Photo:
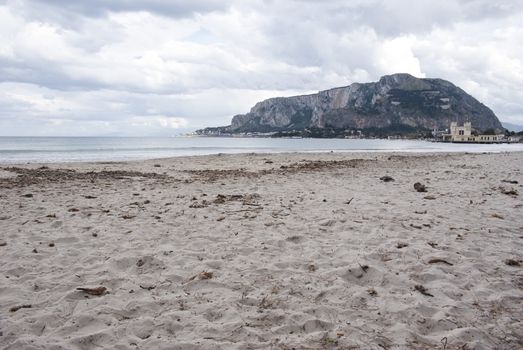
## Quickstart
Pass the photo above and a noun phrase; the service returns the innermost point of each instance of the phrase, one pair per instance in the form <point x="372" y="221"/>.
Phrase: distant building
<point x="463" y="134"/>
<point x="515" y="139"/>
<point x="439" y="133"/>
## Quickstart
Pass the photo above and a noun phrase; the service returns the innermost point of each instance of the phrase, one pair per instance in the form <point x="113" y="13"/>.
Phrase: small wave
<point x="17" y="150"/>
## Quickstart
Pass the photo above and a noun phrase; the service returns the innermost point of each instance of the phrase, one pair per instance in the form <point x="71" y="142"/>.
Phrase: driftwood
<point x="438" y="260"/>
<point x="93" y="291"/>
<point x="422" y="290"/>
<point x="16" y="308"/>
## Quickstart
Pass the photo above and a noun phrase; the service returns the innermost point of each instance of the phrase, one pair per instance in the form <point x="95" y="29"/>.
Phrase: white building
<point x="464" y="134"/>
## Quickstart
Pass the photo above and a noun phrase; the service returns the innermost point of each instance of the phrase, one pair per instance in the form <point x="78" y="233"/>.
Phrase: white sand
<point x="293" y="264"/>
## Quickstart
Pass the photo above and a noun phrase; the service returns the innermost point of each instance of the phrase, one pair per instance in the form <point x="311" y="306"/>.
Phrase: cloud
<point x="45" y="111"/>
<point x="88" y="67"/>
<point x="99" y="8"/>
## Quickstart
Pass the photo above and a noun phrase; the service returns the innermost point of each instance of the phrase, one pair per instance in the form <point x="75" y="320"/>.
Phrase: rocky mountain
<point x="395" y="102"/>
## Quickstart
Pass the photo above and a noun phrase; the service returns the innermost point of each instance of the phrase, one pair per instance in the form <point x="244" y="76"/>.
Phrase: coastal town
<point x="456" y="133"/>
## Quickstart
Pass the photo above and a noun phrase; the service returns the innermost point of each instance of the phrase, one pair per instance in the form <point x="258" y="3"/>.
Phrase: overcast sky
<point x="122" y="67"/>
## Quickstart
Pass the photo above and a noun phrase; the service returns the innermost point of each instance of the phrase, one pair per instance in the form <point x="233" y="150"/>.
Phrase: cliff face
<point x="395" y="100"/>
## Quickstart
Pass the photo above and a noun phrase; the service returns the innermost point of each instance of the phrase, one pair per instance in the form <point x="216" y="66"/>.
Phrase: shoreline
<point x="236" y="251"/>
<point x="268" y="153"/>
<point x="77" y="150"/>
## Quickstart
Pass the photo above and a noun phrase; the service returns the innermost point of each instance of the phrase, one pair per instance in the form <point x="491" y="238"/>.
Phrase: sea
<point x="15" y="150"/>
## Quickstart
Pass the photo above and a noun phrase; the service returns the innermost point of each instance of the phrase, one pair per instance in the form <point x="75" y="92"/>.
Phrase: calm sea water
<point x="69" y="149"/>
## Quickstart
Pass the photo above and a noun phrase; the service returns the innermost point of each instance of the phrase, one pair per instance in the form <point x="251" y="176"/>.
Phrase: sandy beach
<point x="264" y="251"/>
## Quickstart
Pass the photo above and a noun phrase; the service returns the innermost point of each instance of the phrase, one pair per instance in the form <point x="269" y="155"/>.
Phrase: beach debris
<point x="246" y="199"/>
<point x="420" y="288"/>
<point x="127" y="216"/>
<point x="444" y="341"/>
<point x="419" y="187"/>
<point x="364" y="268"/>
<point x="349" y="201"/>
<point x="497" y="216"/>
<point x="509" y="192"/>
<point x="94" y="234"/>
<point x="429" y="197"/>
<point x="198" y="205"/>
<point x="18" y="307"/>
<point x="312" y="268"/>
<point x="387" y="178"/>
<point x="97" y="291"/>
<point x="269" y="162"/>
<point x="51" y="216"/>
<point x="416" y="226"/>
<point x="148" y="287"/>
<point x="372" y="292"/>
<point x="327" y="341"/>
<point x="27" y="177"/>
<point x="420" y="212"/>
<point x="439" y="260"/>
<point x="356" y="273"/>
<point x="320" y="295"/>
<point x="28" y="195"/>
<point x="35" y="251"/>
<point x="294" y="239"/>
<point x="51" y="244"/>
<point x="3" y="243"/>
<point x="90" y="197"/>
<point x="401" y="245"/>
<point x="204" y="275"/>
<point x="385" y="257"/>
<point x="513" y="182"/>
<point x="432" y="244"/>
<point x="157" y="165"/>
<point x="512" y="262"/>
<point x="140" y="263"/>
<point x="327" y="222"/>
<point x="73" y="210"/>
<point x="266" y="303"/>
<point x="221" y="218"/>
